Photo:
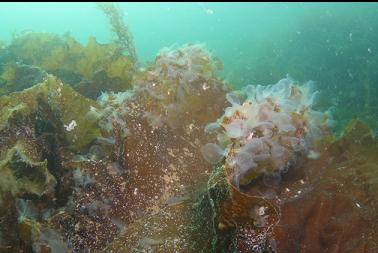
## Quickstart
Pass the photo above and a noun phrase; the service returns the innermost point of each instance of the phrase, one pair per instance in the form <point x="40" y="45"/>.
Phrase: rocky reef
<point x="35" y="139"/>
<point x="99" y="155"/>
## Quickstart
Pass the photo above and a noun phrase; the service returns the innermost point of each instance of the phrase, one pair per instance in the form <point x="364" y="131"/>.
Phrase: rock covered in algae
<point x="90" y="68"/>
<point x="36" y="136"/>
<point x="153" y="191"/>
<point x="58" y="103"/>
<point x="331" y="204"/>
<point x="326" y="204"/>
<point x="18" y="76"/>
<point x="222" y="216"/>
<point x="22" y="172"/>
<point x="304" y="207"/>
<point x="140" y="200"/>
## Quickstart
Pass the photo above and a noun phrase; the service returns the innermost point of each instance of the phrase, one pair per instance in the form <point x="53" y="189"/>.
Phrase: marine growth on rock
<point x="266" y="128"/>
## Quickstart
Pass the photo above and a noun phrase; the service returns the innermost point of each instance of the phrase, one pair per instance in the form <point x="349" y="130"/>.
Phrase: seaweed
<point x="89" y="69"/>
<point x="119" y="27"/>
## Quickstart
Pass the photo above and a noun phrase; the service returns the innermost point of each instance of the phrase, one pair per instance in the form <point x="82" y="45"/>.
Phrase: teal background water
<point x="227" y="28"/>
<point x="334" y="44"/>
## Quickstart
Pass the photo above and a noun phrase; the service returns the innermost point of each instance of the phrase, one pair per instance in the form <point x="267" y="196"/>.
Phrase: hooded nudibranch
<point x="265" y="129"/>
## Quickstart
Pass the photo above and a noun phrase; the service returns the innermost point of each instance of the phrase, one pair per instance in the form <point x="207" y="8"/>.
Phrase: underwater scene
<point x="189" y="127"/>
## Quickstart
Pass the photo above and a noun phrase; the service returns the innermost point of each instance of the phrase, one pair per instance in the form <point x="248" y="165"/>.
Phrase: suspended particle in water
<point x="312" y="154"/>
<point x="209" y="12"/>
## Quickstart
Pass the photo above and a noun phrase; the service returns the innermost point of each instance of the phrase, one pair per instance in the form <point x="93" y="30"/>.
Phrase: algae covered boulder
<point x="51" y="102"/>
<point x="90" y="68"/>
<point x="37" y="135"/>
<point x="224" y="219"/>
<point x="322" y="204"/>
<point x="140" y="199"/>
<point x="17" y="76"/>
<point x="22" y="172"/>
<point x="334" y="208"/>
<point x="277" y="177"/>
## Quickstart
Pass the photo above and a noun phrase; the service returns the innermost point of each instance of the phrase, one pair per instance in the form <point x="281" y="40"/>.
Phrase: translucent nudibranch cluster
<point x="187" y="63"/>
<point x="265" y="128"/>
<point x="166" y="91"/>
<point x="112" y="113"/>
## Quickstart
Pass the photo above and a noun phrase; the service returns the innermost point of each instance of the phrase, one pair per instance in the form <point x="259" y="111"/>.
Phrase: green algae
<point x="65" y="103"/>
<point x="90" y="68"/>
<point x="21" y="173"/>
<point x="207" y="231"/>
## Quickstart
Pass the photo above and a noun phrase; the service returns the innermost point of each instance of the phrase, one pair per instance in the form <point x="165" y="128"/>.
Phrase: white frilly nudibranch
<point x="71" y="126"/>
<point x="265" y="128"/>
